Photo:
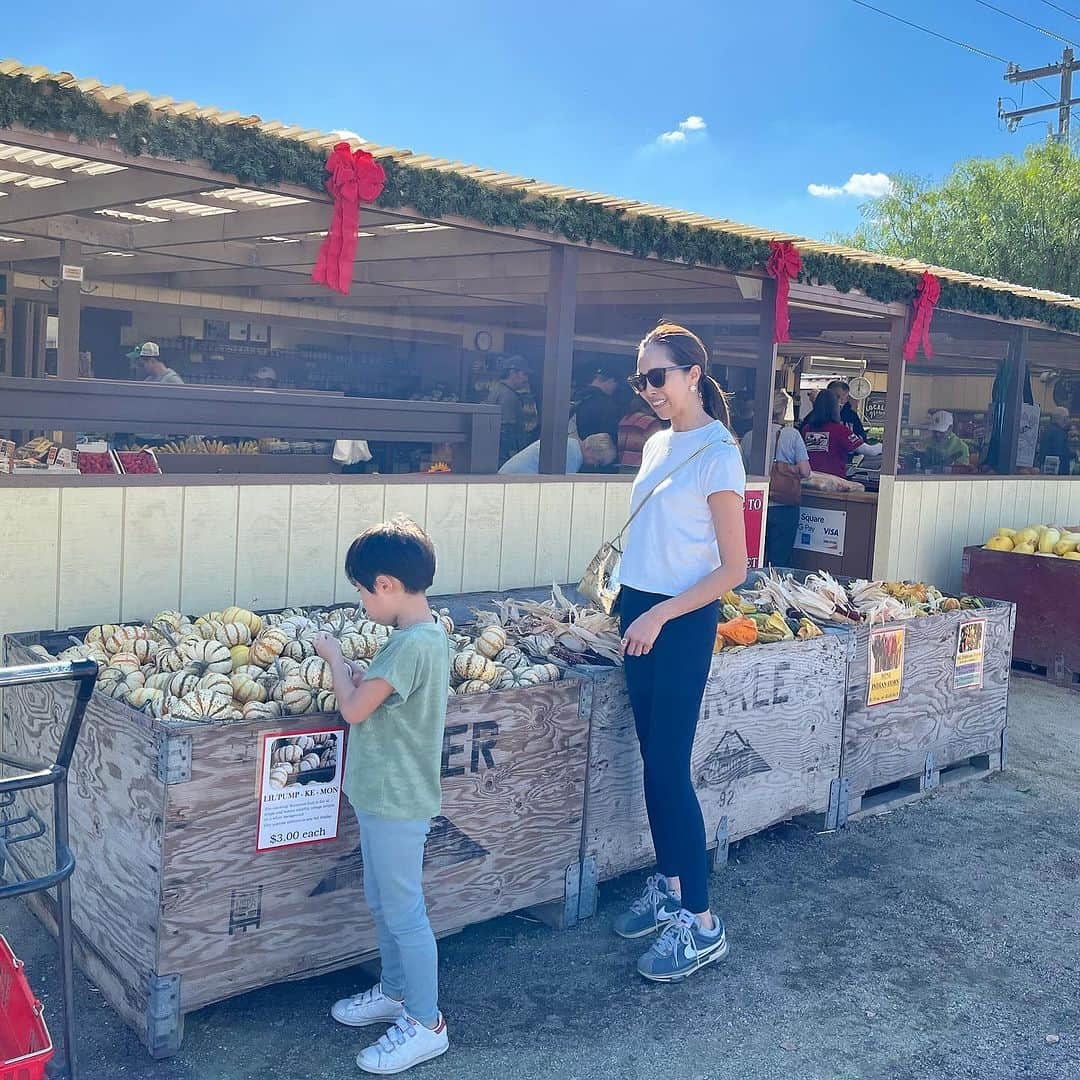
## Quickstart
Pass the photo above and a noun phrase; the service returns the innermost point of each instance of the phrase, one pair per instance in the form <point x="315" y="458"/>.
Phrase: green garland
<point x="258" y="159"/>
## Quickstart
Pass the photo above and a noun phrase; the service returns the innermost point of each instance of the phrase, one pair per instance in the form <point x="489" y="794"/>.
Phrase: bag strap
<point x="641" y="505"/>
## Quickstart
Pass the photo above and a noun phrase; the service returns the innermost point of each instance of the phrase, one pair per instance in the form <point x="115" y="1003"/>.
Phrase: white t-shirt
<point x="671" y="545"/>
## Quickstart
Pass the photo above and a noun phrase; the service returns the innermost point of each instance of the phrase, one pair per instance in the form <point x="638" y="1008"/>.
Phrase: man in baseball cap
<point x="945" y="446"/>
<point x="149" y="357"/>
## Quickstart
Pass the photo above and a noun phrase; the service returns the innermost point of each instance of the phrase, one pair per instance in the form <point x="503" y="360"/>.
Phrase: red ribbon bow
<point x="923" y="309"/>
<point x="784" y="264"/>
<point x="355" y="177"/>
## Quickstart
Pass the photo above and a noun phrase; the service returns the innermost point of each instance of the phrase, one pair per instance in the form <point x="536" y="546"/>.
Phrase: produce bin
<point x="936" y="730"/>
<point x="1045" y="593"/>
<point x="767" y="749"/>
<point x="174" y="907"/>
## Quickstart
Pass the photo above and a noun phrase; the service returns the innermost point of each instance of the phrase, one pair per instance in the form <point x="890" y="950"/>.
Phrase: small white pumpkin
<point x="159" y="680"/>
<point x="512" y="658"/>
<point x="475" y="686"/>
<point x="122" y="683"/>
<point x="309" y="762"/>
<point x="337" y="622"/>
<point x="290" y="754"/>
<point x="280" y="776"/>
<point x="246" y="618"/>
<point x="232" y="633"/>
<point x="172" y="619"/>
<point x="261" y="710"/>
<point x="295" y="694"/>
<point x="207" y="629"/>
<point x="267" y="647"/>
<point x="209" y="655"/>
<point x="182" y="682"/>
<point x="528" y="677"/>
<point x="125" y="661"/>
<point x="491" y="641"/>
<point x="504" y="680"/>
<point x="96" y="635"/>
<point x="204" y="705"/>
<point x="317" y="674"/>
<point x="471" y="665"/>
<point x="245" y="688"/>
<point x="443" y="619"/>
<point x="216" y="683"/>
<point x="144" y="697"/>
<point x="326" y="701"/>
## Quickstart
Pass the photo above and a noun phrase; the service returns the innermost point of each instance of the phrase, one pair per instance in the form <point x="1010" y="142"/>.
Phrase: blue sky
<point x="787" y="93"/>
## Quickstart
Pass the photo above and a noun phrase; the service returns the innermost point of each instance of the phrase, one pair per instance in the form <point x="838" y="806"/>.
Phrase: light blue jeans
<point x="393" y="853"/>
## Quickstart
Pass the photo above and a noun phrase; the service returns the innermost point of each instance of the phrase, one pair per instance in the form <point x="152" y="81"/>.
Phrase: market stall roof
<point x="263" y="235"/>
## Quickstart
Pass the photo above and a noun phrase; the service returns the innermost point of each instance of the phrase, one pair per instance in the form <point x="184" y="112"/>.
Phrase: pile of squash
<point x="233" y="664"/>
<point x="1049" y="540"/>
<point x="742" y="625"/>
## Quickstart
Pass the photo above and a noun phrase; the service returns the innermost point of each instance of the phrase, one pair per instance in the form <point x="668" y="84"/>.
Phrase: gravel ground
<point x="936" y="942"/>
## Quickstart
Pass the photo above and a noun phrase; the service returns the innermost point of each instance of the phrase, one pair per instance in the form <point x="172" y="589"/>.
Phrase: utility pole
<point x="1065" y="101"/>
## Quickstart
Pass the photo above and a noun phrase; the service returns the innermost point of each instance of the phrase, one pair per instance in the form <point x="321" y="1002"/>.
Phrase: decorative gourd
<point x="338" y="623"/>
<point x="96" y="635"/>
<point x="317" y="674"/>
<point x="443" y="619"/>
<point x="491" y="642"/>
<point x="245" y="618"/>
<point x="357" y="646"/>
<point x="241" y="656"/>
<point x="309" y="762"/>
<point x="171" y="658"/>
<point x="261" y="710"/>
<point x="328" y="758"/>
<point x="172" y="619"/>
<point x="295" y="694"/>
<point x="529" y="676"/>
<point x="279" y="777"/>
<point x="300" y="634"/>
<point x="84" y="652"/>
<point x="182" y="682"/>
<point x="118" y="683"/>
<point x="325" y="701"/>
<point x="204" y="705"/>
<point x="144" y="697"/>
<point x="273" y="619"/>
<point x="293" y="613"/>
<point x="267" y="647"/>
<point x="125" y="661"/>
<point x="245" y="688"/>
<point x="538" y="644"/>
<point x="512" y="658"/>
<point x="232" y="633"/>
<point x="376" y="630"/>
<point x="549" y="672"/>
<point x="475" y="686"/>
<point x="216" y="683"/>
<point x="504" y="680"/>
<point x="471" y="665"/>
<point x="207" y="628"/>
<point x="162" y="706"/>
<point x="738" y="631"/>
<point x="209" y="655"/>
<point x="305" y="742"/>
<point x="159" y="681"/>
<point x="289" y="754"/>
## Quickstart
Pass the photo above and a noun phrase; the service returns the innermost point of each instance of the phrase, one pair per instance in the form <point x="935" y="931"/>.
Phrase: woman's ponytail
<point x="687" y="349"/>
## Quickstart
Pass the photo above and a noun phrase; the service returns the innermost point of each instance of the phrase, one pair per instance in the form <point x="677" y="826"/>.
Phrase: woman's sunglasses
<point x="654" y="377"/>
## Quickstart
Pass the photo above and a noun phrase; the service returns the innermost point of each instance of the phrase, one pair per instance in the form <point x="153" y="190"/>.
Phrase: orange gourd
<point x="738" y="631"/>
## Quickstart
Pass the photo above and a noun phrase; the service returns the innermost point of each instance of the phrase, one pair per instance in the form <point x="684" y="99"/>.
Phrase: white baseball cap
<point x="942" y="420"/>
<point x="150" y="349"/>
<point x="266" y="373"/>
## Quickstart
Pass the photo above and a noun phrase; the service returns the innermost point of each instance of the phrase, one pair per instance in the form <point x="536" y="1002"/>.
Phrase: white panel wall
<point x="924" y="526"/>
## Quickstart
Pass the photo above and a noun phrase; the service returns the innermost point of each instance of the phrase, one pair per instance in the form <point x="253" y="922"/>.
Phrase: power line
<point x="1058" y="7"/>
<point x="1024" y="22"/>
<point x="933" y="33"/>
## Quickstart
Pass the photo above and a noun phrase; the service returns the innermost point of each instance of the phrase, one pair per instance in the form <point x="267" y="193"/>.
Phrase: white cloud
<point x="693" y="127"/>
<point x="861" y="185"/>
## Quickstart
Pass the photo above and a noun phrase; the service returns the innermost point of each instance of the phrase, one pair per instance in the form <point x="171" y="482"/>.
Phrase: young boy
<point x="392" y="778"/>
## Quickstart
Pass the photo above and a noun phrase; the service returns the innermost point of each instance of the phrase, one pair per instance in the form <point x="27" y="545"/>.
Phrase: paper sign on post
<point x="299" y="787"/>
<point x="821" y="530"/>
<point x="970" y="655"/>
<point x="886" y="653"/>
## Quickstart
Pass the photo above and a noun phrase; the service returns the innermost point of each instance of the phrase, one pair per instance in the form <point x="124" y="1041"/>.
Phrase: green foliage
<point x="258" y="159"/>
<point x="1016" y="219"/>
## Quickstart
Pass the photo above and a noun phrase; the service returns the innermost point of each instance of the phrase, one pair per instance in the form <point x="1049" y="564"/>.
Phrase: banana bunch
<point x="196" y="444"/>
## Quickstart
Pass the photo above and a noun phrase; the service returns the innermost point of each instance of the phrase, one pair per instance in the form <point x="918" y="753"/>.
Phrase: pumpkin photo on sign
<point x="299" y="787"/>
<point x="886" y="656"/>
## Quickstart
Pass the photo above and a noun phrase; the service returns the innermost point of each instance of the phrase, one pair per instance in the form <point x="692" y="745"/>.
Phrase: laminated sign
<point x="300" y="787"/>
<point x="886" y="656"/>
<point x="970" y="655"/>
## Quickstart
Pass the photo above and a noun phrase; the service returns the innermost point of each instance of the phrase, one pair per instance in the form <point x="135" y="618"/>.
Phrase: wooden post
<point x="558" y="359"/>
<point x="69" y="299"/>
<point x="1010" y="430"/>
<point x="764" y="377"/>
<point x="894" y="394"/>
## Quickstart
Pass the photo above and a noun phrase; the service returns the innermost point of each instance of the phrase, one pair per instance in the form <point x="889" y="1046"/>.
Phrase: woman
<point x="787" y="450"/>
<point x="683" y="550"/>
<point x="828" y="443"/>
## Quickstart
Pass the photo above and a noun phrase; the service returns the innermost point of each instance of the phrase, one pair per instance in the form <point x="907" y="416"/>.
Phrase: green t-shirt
<point x="394" y="759"/>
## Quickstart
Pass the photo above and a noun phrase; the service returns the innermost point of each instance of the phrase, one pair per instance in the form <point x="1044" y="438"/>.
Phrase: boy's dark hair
<point x="399" y="549"/>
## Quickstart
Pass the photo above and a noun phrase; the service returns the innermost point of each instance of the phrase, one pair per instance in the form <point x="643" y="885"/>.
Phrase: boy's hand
<point x="356" y="672"/>
<point x="327" y="646"/>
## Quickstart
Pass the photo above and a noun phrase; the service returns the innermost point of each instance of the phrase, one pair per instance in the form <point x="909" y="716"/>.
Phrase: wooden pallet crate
<point x="767" y="749"/>
<point x="900" y="750"/>
<point x="173" y="906"/>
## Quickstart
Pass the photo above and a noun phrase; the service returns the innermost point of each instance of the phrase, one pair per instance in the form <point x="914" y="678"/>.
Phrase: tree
<point x="1017" y="219"/>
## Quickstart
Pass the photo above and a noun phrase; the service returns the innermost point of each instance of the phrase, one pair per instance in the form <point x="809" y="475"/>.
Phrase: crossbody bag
<point x="600" y="583"/>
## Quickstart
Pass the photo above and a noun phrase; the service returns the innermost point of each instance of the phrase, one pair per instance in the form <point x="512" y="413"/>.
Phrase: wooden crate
<point x="886" y="746"/>
<point x="174" y="908"/>
<point x="767" y="749"/>
<point x="1047" y="614"/>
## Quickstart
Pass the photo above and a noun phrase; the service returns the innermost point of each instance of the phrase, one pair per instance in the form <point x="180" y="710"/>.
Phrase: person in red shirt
<point x="829" y="443"/>
<point x="634" y="431"/>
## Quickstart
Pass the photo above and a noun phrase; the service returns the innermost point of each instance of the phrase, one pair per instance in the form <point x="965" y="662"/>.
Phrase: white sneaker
<point x="406" y="1044"/>
<point x="370" y="1007"/>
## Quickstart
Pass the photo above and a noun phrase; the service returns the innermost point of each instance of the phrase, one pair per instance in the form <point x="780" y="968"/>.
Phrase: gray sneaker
<point x="682" y="948"/>
<point x="655" y="907"/>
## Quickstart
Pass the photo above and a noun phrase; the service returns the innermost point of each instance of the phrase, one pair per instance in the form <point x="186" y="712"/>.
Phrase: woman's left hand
<point x="642" y="633"/>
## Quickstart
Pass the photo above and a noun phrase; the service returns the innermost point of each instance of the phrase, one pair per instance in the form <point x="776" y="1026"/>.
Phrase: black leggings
<point x="666" y="687"/>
